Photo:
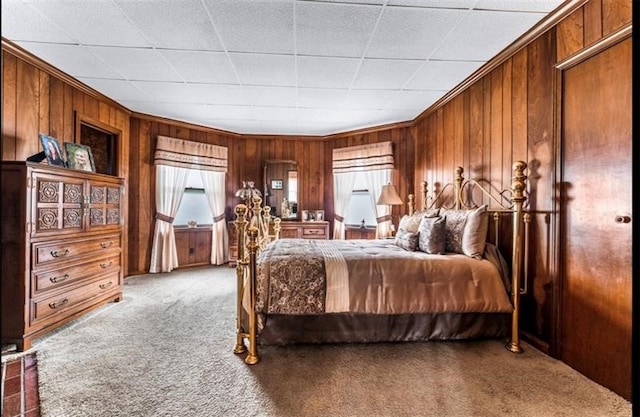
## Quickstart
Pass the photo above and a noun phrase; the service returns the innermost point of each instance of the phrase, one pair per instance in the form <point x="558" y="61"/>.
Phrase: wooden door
<point x="595" y="225"/>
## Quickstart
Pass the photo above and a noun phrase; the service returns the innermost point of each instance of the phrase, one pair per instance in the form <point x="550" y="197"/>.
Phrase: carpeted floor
<point x="166" y="350"/>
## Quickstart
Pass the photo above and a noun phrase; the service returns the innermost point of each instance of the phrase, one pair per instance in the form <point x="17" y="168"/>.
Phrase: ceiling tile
<point x="270" y="96"/>
<point x="482" y="34"/>
<point x="98" y="22"/>
<point x="321" y="98"/>
<point x="219" y="94"/>
<point x="137" y="64"/>
<point x="414" y="99"/>
<point x="425" y="27"/>
<point x="275" y="113"/>
<point x="385" y="74"/>
<point x="174" y="24"/>
<point x="442" y="75"/>
<point x="77" y="61"/>
<point x="258" y="26"/>
<point x="21" y="22"/>
<point x="334" y="29"/>
<point x="201" y="67"/>
<point x="118" y="89"/>
<point x="326" y="72"/>
<point x="261" y="69"/>
<point x="167" y="92"/>
<point x="368" y="99"/>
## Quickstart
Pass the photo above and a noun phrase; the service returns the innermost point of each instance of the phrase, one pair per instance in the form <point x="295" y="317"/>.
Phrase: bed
<point x="440" y="278"/>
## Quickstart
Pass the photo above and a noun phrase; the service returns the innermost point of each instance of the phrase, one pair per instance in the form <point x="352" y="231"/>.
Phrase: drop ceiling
<point x="287" y="67"/>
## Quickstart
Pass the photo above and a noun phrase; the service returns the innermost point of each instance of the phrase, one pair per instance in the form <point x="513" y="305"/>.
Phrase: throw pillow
<point x="431" y="235"/>
<point x="466" y="231"/>
<point x="406" y="240"/>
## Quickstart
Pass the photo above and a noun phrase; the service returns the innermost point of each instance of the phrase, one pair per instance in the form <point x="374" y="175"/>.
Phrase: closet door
<point x="595" y="226"/>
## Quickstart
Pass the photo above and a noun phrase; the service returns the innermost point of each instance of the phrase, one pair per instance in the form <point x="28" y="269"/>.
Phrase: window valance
<point x="191" y="155"/>
<point x="370" y="157"/>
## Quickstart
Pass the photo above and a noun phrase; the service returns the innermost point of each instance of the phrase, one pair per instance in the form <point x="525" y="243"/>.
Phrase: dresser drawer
<point x="45" y="280"/>
<point x="289" y="233"/>
<point x="59" y="304"/>
<point x="57" y="251"/>
<point x="310" y="232"/>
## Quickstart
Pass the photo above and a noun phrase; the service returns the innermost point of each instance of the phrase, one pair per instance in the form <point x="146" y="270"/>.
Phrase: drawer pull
<point x="56" y="280"/>
<point x="59" y="303"/>
<point x="57" y="254"/>
<point x="313" y="232"/>
<point x="106" y="265"/>
<point x="106" y="244"/>
<point x="106" y="285"/>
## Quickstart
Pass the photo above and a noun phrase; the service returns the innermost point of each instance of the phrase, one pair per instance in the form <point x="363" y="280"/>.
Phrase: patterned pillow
<point x="431" y="235"/>
<point x="466" y="231"/>
<point x="411" y="223"/>
<point x="407" y="240"/>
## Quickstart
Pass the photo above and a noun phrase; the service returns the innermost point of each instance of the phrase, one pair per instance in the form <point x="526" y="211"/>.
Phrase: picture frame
<point x="52" y="150"/>
<point x="305" y="215"/>
<point x="319" y="215"/>
<point x="276" y="184"/>
<point x="79" y="157"/>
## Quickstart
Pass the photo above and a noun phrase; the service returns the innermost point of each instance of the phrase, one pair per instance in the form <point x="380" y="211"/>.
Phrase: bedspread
<point x="300" y="276"/>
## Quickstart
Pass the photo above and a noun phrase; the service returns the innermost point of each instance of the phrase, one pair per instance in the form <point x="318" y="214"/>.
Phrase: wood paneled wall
<point x="505" y="115"/>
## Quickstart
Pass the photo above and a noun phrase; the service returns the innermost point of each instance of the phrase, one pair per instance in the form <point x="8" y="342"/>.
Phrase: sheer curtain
<point x="170" y="184"/>
<point x="343" y="186"/>
<point x="376" y="162"/>
<point x="375" y="181"/>
<point x="214" y="188"/>
<point x="174" y="159"/>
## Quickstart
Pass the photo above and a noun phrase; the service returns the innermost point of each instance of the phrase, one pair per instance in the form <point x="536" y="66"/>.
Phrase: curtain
<point x="343" y="186"/>
<point x="174" y="158"/>
<point x="170" y="184"/>
<point x="376" y="161"/>
<point x="214" y="188"/>
<point x="375" y="181"/>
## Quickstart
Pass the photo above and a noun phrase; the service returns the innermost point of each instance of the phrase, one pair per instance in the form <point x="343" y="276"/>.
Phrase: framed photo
<point x="79" y="157"/>
<point x="319" y="215"/>
<point x="52" y="150"/>
<point x="276" y="184"/>
<point x="305" y="215"/>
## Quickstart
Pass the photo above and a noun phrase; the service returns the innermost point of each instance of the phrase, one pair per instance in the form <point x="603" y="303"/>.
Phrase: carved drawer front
<point x="289" y="233"/>
<point x="51" y="279"/>
<point x="313" y="232"/>
<point x="59" y="304"/>
<point x="49" y="252"/>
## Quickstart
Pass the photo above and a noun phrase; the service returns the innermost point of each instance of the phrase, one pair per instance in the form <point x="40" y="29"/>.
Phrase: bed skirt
<point x="282" y="329"/>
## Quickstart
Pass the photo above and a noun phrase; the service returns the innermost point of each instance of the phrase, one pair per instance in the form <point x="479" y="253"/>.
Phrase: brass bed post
<point x="518" y="198"/>
<point x="425" y="195"/>
<point x="252" y="357"/>
<point x="458" y="180"/>
<point x="241" y="223"/>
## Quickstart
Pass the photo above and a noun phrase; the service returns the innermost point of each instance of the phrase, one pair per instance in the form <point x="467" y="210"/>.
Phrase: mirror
<point x="280" y="190"/>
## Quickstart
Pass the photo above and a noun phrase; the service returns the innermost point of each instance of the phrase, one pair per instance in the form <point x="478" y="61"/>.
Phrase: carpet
<point x="166" y="350"/>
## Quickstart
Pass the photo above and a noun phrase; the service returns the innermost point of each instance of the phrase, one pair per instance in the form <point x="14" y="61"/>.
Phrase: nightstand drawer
<point x="308" y="231"/>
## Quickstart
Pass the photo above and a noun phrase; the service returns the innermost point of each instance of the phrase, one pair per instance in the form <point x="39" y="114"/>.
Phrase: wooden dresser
<point x="288" y="230"/>
<point x="62" y="240"/>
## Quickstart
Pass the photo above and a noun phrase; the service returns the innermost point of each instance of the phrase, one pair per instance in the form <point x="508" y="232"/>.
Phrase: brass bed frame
<point x="256" y="228"/>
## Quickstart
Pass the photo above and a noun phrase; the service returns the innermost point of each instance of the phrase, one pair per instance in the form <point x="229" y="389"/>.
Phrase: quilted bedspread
<point x="303" y="276"/>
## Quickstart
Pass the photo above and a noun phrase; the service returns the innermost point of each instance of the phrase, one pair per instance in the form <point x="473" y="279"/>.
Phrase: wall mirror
<point x="280" y="190"/>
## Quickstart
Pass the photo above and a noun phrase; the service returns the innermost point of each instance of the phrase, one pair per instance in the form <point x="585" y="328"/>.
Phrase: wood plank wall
<point x="37" y="98"/>
<point x="504" y="116"/>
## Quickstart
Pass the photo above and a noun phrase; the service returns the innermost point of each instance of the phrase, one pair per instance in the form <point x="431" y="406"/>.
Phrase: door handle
<point x="623" y="219"/>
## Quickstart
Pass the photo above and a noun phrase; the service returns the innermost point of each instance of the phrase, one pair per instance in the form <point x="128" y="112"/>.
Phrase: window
<point x="194" y="205"/>
<point x="360" y="207"/>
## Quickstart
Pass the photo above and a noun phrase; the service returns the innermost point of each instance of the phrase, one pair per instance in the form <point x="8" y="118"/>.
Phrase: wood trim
<point x="185" y="125"/>
<point x="540" y="28"/>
